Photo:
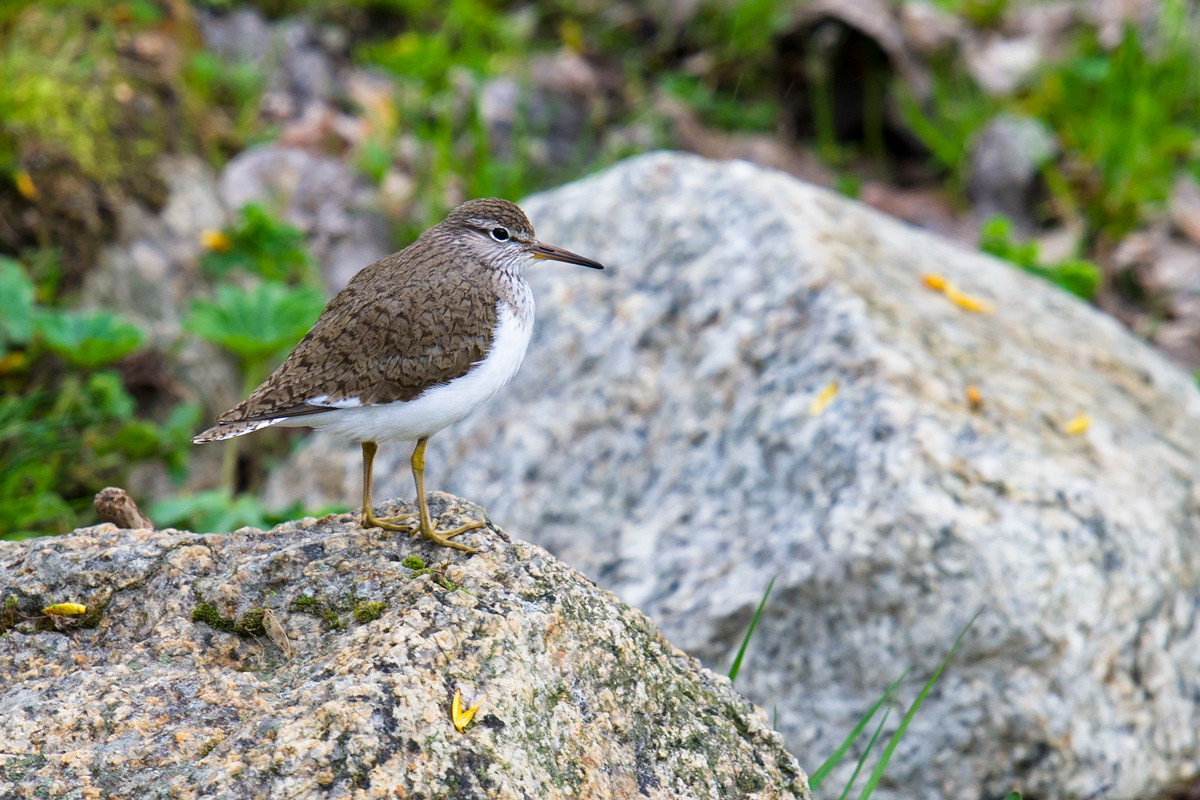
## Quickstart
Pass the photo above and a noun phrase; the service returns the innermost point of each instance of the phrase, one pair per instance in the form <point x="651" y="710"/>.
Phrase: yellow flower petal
<point x="216" y="241"/>
<point x="967" y="302"/>
<point x="822" y="400"/>
<point x="460" y="718"/>
<point x="933" y="281"/>
<point x="25" y="186"/>
<point x="1080" y="423"/>
<point x="68" y="609"/>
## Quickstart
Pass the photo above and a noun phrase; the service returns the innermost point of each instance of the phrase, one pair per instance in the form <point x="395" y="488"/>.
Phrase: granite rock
<point x="319" y="660"/>
<point x="323" y="197"/>
<point x="660" y="438"/>
<point x="151" y="274"/>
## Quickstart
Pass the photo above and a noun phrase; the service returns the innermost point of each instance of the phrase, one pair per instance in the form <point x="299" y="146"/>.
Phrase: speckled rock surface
<point x="579" y="696"/>
<point x="659" y="439"/>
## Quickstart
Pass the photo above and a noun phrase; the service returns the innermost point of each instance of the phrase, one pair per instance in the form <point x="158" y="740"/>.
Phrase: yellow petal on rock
<point x="822" y="400"/>
<point x="215" y="240"/>
<point x="933" y="281"/>
<point x="1080" y="423"/>
<point x="25" y="186"/>
<point x="974" y="398"/>
<point x="460" y="718"/>
<point x="967" y="302"/>
<point x="67" y="609"/>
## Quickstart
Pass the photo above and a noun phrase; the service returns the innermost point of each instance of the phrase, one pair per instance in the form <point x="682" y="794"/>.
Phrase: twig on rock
<point x="115" y="506"/>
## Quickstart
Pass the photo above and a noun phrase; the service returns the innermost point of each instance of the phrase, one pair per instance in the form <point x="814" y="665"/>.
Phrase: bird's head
<point x="501" y="236"/>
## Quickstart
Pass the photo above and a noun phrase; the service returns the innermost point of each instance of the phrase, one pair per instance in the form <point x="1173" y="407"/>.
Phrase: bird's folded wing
<point x="377" y="344"/>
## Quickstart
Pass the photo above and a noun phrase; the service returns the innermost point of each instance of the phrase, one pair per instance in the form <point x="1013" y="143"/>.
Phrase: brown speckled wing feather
<point x="416" y="319"/>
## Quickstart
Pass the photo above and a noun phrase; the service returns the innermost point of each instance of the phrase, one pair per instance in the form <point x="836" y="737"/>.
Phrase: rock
<point x="1167" y="270"/>
<point x="1001" y="65"/>
<point x="177" y="680"/>
<point x="692" y="135"/>
<point x="151" y="273"/>
<point x="241" y="36"/>
<point x="1006" y="159"/>
<point x="321" y="196"/>
<point x="1184" y="208"/>
<point x="659" y="439"/>
<point x="927" y="29"/>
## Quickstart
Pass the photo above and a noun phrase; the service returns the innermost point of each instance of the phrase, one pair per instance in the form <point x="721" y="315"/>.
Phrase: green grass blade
<point x="863" y="758"/>
<point x="737" y="660"/>
<point x="835" y="758"/>
<point x="886" y="755"/>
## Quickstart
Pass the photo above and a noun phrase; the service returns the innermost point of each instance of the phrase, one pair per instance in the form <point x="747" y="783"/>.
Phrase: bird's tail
<point x="228" y="430"/>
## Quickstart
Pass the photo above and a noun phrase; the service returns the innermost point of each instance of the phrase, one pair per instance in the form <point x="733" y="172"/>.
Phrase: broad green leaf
<point x="105" y="394"/>
<point x="256" y="323"/>
<point x="261" y="245"/>
<point x="87" y="339"/>
<point x="16" y="304"/>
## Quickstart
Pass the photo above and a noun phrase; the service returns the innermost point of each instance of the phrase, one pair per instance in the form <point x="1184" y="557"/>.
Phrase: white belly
<point x="440" y="406"/>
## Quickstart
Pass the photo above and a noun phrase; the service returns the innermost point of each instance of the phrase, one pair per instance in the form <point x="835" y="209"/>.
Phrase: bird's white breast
<point x="443" y="405"/>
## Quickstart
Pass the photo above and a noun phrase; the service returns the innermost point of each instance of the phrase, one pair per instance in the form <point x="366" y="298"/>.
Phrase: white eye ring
<point x="500" y="234"/>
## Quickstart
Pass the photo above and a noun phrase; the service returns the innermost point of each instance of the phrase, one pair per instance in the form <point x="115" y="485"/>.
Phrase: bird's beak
<point x="552" y="253"/>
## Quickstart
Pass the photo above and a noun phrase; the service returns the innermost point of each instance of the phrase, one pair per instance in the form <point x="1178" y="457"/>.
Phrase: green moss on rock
<point x="251" y="623"/>
<point x="365" y="611"/>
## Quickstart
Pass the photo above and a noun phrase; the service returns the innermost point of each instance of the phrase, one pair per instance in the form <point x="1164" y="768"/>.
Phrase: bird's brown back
<point x="413" y="320"/>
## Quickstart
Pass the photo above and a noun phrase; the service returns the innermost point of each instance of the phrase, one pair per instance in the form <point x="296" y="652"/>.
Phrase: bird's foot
<point x="389" y="523"/>
<point x="443" y="537"/>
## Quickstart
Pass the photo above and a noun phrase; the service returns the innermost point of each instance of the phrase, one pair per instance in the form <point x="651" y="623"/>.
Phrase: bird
<point x="411" y="345"/>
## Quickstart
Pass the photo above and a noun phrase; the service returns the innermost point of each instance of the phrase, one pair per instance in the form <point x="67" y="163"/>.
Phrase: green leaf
<point x="104" y="393"/>
<point x="16" y="304"/>
<point x="1013" y="796"/>
<point x="737" y="660"/>
<point x="257" y="323"/>
<point x="137" y="439"/>
<point x="263" y="246"/>
<point x="886" y="755"/>
<point x="1078" y="276"/>
<point x="838" y="754"/>
<point x="87" y="339"/>
<point x="208" y="512"/>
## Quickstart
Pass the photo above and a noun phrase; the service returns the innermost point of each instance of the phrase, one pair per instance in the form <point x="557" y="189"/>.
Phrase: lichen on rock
<point x="177" y="688"/>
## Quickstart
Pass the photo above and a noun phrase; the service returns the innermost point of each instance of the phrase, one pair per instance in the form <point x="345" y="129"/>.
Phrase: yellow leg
<point x="369" y="520"/>
<point x="425" y="526"/>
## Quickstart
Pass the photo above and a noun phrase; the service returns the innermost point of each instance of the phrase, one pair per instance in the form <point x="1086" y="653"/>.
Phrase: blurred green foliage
<point x="258" y="244"/>
<point x="258" y="323"/>
<point x="216" y="512"/>
<point x="1127" y="119"/>
<point x="1078" y="276"/>
<point x="68" y="426"/>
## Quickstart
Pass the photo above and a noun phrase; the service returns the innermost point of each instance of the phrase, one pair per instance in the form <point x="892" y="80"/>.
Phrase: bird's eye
<point x="500" y="234"/>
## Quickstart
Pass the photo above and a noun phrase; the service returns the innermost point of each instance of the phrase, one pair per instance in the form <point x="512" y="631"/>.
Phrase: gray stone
<point x="177" y="681"/>
<point x="659" y="438"/>
<point x="243" y="35"/>
<point x="150" y="274"/>
<point x="1006" y="159"/>
<point x="323" y="197"/>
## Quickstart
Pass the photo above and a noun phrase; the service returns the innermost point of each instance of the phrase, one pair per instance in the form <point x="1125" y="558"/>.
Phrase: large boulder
<point x="661" y="438"/>
<point x="319" y="659"/>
